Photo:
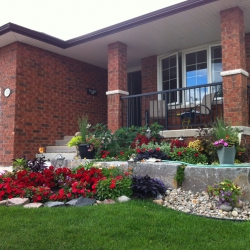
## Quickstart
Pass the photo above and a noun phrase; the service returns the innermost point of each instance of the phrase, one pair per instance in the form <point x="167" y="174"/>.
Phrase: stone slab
<point x="54" y="204"/>
<point x="197" y="178"/>
<point x="164" y="171"/>
<point x="18" y="201"/>
<point x="33" y="205"/>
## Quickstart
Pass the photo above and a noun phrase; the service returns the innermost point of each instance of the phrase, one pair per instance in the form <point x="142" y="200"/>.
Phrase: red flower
<point x="121" y="153"/>
<point x="196" y="154"/>
<point x="113" y="184"/>
<point x="158" y="149"/>
<point x="138" y="150"/>
<point x="179" y="153"/>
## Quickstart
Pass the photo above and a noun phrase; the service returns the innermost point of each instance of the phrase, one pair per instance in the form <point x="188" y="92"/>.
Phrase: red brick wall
<point x="247" y="42"/>
<point x="117" y="80"/>
<point x="149" y="74"/>
<point x="232" y="39"/>
<point x="7" y="105"/>
<point x="50" y="95"/>
<point x="234" y="57"/>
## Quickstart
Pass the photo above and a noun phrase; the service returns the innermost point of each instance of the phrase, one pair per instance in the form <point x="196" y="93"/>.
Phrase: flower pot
<point x="226" y="155"/>
<point x="86" y="151"/>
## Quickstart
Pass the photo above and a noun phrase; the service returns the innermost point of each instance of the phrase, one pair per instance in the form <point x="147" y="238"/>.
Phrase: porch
<point x="182" y="108"/>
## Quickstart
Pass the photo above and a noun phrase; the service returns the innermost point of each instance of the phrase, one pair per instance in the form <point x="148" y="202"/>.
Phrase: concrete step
<point x="61" y="142"/>
<point x="54" y="156"/>
<point x="60" y="149"/>
<point x="68" y="137"/>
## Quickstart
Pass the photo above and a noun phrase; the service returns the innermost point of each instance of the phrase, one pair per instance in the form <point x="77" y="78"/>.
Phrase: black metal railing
<point x="188" y="107"/>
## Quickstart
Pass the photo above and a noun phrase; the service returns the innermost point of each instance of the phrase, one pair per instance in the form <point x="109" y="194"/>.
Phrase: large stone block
<point x="197" y="178"/>
<point x="164" y="171"/>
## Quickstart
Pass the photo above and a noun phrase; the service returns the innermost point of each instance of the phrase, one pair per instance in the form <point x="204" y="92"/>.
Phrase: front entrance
<point x="134" y="105"/>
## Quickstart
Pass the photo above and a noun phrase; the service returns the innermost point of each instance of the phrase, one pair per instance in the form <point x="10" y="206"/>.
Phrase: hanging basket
<point x="226" y="155"/>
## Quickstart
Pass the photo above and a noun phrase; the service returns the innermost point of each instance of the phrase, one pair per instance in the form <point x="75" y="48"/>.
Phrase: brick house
<point x="47" y="83"/>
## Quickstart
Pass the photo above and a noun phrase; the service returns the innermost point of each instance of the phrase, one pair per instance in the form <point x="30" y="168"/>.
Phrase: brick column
<point x="234" y="67"/>
<point x="117" y="83"/>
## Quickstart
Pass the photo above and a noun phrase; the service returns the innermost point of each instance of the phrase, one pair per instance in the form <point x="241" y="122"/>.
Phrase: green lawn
<point x="133" y="225"/>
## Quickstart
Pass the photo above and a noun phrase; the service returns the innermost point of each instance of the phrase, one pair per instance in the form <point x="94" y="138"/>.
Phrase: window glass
<point x="216" y="64"/>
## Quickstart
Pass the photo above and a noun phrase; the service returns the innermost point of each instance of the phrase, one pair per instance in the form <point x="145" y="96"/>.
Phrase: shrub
<point x="175" y="143"/>
<point x="180" y="175"/>
<point x="113" y="187"/>
<point x="146" y="187"/>
<point x="188" y="155"/>
<point x="155" y="153"/>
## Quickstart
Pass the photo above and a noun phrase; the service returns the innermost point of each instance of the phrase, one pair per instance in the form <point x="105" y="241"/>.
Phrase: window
<point x="193" y="68"/>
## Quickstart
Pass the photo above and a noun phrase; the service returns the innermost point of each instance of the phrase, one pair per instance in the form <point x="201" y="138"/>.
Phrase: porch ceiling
<point x="175" y="32"/>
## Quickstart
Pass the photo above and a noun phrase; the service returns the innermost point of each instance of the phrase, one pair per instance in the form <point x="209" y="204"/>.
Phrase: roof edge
<point x="137" y="21"/>
<point x="11" y="27"/>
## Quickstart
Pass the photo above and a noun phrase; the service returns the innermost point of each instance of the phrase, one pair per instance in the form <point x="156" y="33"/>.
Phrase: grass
<point x="133" y="225"/>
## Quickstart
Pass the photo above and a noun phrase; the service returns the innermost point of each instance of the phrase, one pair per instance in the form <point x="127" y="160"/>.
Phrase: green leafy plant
<point x="188" y="155"/>
<point x="19" y="164"/>
<point x="222" y="131"/>
<point x="227" y="192"/>
<point x="180" y="175"/>
<point x="113" y="187"/>
<point x="76" y="140"/>
<point x="83" y="126"/>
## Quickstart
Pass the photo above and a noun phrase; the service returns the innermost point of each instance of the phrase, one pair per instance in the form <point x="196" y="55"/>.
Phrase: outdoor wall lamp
<point x="7" y="92"/>
<point x="148" y="133"/>
<point x="59" y="160"/>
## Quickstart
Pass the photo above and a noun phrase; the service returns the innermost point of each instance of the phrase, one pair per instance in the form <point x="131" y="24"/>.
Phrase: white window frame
<point x="183" y="53"/>
<point x="159" y="72"/>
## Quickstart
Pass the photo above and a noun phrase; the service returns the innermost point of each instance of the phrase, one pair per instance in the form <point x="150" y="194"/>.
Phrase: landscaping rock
<point x="197" y="178"/>
<point x="159" y="202"/>
<point x="33" y="205"/>
<point x="71" y="202"/>
<point x="3" y="203"/>
<point x="165" y="171"/>
<point x="54" y="204"/>
<point x="186" y="201"/>
<point x="226" y="207"/>
<point x="18" y="201"/>
<point x="84" y="202"/>
<point x="108" y="201"/>
<point x="123" y="198"/>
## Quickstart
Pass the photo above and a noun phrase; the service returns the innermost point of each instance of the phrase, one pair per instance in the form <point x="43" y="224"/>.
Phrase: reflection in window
<point x="196" y="74"/>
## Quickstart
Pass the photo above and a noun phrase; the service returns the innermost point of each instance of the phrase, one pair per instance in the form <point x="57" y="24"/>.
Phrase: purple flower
<point x="225" y="144"/>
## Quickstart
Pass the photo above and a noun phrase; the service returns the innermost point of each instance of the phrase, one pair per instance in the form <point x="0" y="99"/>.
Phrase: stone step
<point x="54" y="156"/>
<point x="68" y="137"/>
<point x="61" y="142"/>
<point x="60" y="149"/>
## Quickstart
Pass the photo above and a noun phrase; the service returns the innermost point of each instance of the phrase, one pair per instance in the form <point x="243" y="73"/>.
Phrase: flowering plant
<point x="227" y="192"/>
<point x="221" y="143"/>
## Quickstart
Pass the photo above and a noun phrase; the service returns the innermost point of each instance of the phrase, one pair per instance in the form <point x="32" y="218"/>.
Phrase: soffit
<point x="184" y="30"/>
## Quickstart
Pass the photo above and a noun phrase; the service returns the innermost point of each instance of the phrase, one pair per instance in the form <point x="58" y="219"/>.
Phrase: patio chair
<point x="202" y="109"/>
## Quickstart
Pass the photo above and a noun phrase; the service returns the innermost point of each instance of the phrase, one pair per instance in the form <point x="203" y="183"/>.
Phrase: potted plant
<point x="81" y="140"/>
<point x="226" y="140"/>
